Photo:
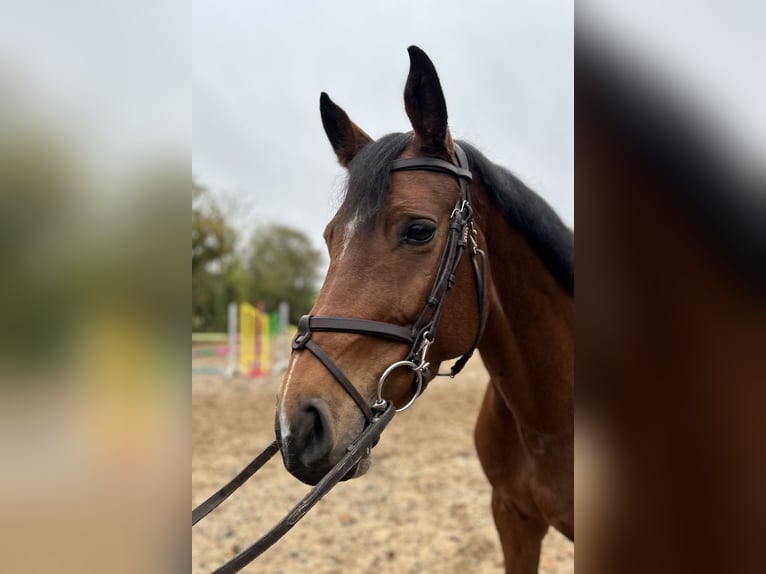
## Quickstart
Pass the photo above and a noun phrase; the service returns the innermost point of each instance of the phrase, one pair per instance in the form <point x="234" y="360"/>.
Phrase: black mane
<point x="550" y="239"/>
<point x="369" y="174"/>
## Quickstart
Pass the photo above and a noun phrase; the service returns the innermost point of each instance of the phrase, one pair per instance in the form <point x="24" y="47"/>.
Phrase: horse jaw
<point x="360" y="468"/>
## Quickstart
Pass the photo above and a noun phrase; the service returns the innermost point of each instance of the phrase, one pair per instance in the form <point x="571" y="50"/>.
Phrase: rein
<point x="360" y="447"/>
<point x="421" y="335"/>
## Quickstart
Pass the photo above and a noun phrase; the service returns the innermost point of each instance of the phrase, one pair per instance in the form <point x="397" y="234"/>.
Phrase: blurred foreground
<point x="94" y="288"/>
<point x="671" y="305"/>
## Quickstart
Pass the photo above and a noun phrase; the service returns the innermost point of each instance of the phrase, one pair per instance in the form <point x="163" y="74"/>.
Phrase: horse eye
<point x="419" y="232"/>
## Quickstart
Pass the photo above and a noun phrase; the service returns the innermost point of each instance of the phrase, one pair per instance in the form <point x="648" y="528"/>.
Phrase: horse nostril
<point x="313" y="438"/>
<point x="312" y="424"/>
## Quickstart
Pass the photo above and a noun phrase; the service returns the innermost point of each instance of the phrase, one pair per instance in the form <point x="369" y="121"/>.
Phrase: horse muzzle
<point x="308" y="443"/>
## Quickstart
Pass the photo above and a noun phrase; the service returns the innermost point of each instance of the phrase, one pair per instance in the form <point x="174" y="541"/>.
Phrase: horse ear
<point x="345" y="136"/>
<point x="425" y="105"/>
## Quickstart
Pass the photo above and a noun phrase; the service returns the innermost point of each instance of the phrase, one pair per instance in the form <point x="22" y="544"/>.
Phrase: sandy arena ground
<point x="422" y="507"/>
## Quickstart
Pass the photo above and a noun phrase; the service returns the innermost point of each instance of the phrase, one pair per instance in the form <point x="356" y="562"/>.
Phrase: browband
<point x="431" y="164"/>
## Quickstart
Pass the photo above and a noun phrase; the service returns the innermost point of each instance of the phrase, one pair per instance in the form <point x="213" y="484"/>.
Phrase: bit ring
<point x="418" y="370"/>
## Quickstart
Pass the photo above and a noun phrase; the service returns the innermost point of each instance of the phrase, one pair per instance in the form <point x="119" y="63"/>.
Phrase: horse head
<point x="382" y="322"/>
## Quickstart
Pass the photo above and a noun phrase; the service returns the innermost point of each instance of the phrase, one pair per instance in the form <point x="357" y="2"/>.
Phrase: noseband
<point x="421" y="335"/>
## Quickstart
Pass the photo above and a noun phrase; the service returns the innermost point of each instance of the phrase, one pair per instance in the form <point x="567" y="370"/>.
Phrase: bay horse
<point x="415" y="203"/>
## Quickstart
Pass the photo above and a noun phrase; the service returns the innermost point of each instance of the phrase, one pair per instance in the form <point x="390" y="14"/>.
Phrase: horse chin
<point x="359" y="469"/>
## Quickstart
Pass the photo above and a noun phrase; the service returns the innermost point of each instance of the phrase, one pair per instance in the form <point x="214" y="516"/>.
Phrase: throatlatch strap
<point x="481" y="280"/>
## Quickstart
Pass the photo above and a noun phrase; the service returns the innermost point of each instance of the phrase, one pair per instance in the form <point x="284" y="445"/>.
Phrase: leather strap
<point x="431" y="164"/>
<point x="481" y="280"/>
<point x="454" y="249"/>
<point x="228" y="489"/>
<point x="325" y="324"/>
<point x="341" y="378"/>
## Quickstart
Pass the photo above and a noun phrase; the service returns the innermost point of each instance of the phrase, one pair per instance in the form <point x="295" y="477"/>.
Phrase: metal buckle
<point x="465" y="207"/>
<point x="425" y="344"/>
<point x="303" y="333"/>
<point x="474" y="236"/>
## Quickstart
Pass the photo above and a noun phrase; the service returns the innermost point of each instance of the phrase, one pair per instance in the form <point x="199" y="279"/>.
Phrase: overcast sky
<point x="259" y="67"/>
<point x="117" y="73"/>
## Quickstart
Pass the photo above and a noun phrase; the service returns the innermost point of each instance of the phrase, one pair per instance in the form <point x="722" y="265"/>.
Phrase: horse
<point x="400" y="298"/>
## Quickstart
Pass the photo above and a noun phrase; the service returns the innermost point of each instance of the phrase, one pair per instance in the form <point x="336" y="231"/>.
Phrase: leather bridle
<point x="421" y="334"/>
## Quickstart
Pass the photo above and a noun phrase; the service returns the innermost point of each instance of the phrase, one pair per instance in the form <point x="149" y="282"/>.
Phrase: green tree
<point x="283" y="265"/>
<point x="214" y="262"/>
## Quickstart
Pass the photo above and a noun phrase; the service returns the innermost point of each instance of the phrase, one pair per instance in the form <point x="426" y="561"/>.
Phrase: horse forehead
<point x="344" y="237"/>
<point x="421" y="189"/>
<point x="349" y="231"/>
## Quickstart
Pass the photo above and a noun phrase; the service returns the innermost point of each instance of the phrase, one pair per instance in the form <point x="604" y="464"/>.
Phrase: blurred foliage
<point x="282" y="265"/>
<point x="74" y="251"/>
<point x="279" y="264"/>
<point x="214" y="262"/>
<point x="37" y="200"/>
<point x="94" y="356"/>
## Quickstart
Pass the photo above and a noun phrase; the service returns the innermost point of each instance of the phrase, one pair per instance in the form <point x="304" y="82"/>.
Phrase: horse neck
<point x="528" y="345"/>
